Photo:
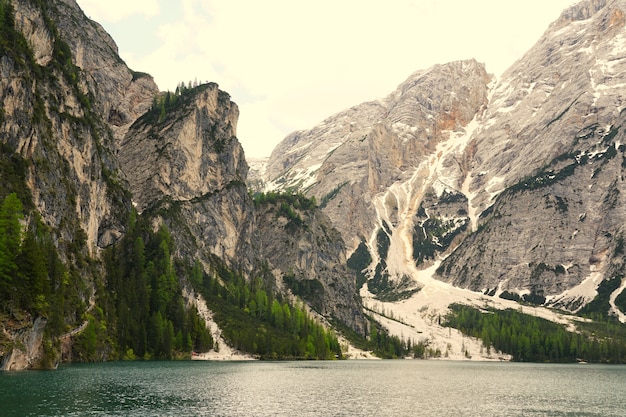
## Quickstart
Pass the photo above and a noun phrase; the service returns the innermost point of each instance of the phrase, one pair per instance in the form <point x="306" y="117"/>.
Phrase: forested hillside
<point x="118" y="201"/>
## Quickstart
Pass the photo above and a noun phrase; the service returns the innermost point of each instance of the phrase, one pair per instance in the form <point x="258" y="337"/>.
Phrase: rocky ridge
<point x="188" y="169"/>
<point x="94" y="145"/>
<point x="536" y="155"/>
<point x="351" y="158"/>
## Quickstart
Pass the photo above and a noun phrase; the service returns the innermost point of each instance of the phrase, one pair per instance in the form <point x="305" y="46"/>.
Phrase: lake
<point x="335" y="388"/>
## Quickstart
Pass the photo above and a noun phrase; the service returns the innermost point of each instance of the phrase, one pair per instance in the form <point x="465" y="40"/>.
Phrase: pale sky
<point x="289" y="64"/>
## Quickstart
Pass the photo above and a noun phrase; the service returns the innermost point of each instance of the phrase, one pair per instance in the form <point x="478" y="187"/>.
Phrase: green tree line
<point x="532" y="339"/>
<point x="143" y="314"/>
<point x="288" y="206"/>
<point x="34" y="282"/>
<point x="139" y="311"/>
<point x="163" y="103"/>
<point x="258" y="321"/>
<point x="296" y="200"/>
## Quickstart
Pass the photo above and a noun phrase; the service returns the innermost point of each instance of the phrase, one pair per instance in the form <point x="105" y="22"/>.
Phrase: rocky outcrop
<point x="28" y="351"/>
<point x="371" y="166"/>
<point x="68" y="137"/>
<point x="308" y="256"/>
<point x="567" y="222"/>
<point x="187" y="168"/>
<point x="186" y="153"/>
<point x="119" y="94"/>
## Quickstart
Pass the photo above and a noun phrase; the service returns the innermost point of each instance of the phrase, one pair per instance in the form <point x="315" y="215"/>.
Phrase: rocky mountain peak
<point x="184" y="149"/>
<point x="580" y="11"/>
<point x="354" y="155"/>
<point x="440" y="156"/>
<point x="571" y="77"/>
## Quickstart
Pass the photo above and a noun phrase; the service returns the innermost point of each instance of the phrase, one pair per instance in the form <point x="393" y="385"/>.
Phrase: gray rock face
<point x="120" y="94"/>
<point x="568" y="81"/>
<point x="55" y="115"/>
<point x="188" y="170"/>
<point x="57" y="122"/>
<point x="370" y="166"/>
<point x="309" y="256"/>
<point x="30" y="353"/>
<point x="191" y="166"/>
<point x="531" y="164"/>
<point x="191" y="152"/>
<point x="549" y="148"/>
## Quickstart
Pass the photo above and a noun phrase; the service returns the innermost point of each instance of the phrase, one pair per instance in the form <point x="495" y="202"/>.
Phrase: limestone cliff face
<point x="309" y="257"/>
<point x="190" y="164"/>
<point x="29" y="353"/>
<point x="532" y="165"/>
<point x="66" y="97"/>
<point x="371" y="167"/>
<point x="119" y="94"/>
<point x="59" y="122"/>
<point x="547" y="167"/>
<point x="568" y="81"/>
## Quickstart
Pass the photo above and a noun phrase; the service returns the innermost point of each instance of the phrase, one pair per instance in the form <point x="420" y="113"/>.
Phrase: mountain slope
<point x="510" y="188"/>
<point x="349" y="160"/>
<point x="116" y="197"/>
<point x="549" y="146"/>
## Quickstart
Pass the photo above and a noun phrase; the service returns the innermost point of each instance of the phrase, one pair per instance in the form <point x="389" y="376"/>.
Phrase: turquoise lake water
<point x="339" y="388"/>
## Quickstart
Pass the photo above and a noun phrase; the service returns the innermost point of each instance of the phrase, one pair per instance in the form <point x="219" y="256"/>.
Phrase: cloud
<point x="117" y="10"/>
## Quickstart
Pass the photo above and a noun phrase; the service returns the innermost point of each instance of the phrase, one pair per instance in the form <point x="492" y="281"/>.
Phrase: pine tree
<point x="11" y="213"/>
<point x="32" y="285"/>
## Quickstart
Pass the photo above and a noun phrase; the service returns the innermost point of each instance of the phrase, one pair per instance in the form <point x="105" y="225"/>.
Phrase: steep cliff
<point x="78" y="84"/>
<point x="547" y="161"/>
<point x="110" y="191"/>
<point x="511" y="188"/>
<point x="58" y="153"/>
<point x="300" y="243"/>
<point x="187" y="168"/>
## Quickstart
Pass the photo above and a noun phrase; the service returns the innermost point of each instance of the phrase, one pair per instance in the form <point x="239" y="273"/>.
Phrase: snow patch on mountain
<point x="614" y="308"/>
<point x="396" y="207"/>
<point x="580" y="294"/>
<point x="420" y="318"/>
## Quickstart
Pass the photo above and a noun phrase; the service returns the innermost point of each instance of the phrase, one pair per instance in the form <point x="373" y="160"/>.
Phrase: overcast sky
<point x="289" y="64"/>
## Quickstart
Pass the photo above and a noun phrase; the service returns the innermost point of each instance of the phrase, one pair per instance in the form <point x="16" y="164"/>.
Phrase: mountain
<point x="64" y="92"/>
<point x="355" y="155"/>
<point x="127" y="230"/>
<point x="550" y="149"/>
<point x="372" y="166"/>
<point x="511" y="188"/>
